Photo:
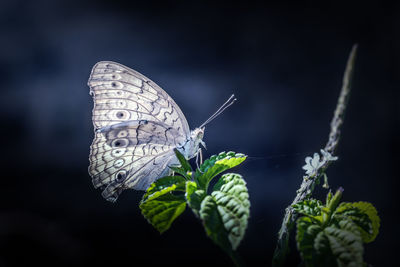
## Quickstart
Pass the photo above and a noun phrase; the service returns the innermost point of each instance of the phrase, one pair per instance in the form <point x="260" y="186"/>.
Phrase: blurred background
<point x="283" y="62"/>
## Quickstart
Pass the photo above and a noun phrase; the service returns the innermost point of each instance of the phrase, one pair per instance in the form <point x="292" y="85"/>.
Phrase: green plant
<point x="224" y="210"/>
<point x="333" y="234"/>
<point x="330" y="234"/>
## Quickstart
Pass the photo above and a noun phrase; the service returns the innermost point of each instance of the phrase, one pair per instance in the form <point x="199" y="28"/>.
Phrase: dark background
<point x="284" y="63"/>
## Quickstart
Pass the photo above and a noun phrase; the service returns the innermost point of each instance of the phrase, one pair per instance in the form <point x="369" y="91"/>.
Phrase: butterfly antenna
<point x="228" y="102"/>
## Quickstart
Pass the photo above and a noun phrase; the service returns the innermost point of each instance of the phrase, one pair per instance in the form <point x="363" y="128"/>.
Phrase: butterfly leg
<point x="199" y="156"/>
<point x="197" y="159"/>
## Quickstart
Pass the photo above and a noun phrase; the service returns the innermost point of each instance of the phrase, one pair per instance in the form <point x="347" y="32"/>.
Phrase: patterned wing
<point x="137" y="126"/>
<point x="131" y="155"/>
<point x="122" y="94"/>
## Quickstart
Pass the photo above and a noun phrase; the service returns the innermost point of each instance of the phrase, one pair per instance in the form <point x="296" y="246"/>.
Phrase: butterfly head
<point x="197" y="136"/>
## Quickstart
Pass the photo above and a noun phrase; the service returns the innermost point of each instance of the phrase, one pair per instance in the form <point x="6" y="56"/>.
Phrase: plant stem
<point x="236" y="259"/>
<point x="309" y="181"/>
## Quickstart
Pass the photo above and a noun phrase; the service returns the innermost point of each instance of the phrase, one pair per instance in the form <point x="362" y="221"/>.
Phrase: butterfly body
<point x="137" y="127"/>
<point x="190" y="147"/>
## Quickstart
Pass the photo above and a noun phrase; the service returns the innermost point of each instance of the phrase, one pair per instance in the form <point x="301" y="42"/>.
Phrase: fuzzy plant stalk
<point x="317" y="170"/>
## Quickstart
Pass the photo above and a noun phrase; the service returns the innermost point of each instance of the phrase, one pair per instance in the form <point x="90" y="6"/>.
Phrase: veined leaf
<point x="227" y="211"/>
<point x="333" y="234"/>
<point x="322" y="254"/>
<point x="159" y="206"/>
<point x="364" y="215"/>
<point x="211" y="161"/>
<point x="224" y="213"/>
<point x="309" y="207"/>
<point x="184" y="163"/>
<point x="163" y="186"/>
<point x="233" y="203"/>
<point x="162" y="211"/>
<point x="194" y="197"/>
<point x="181" y="171"/>
<point x="213" y="224"/>
<point x="307" y="231"/>
<point x="215" y="165"/>
<point x="345" y="243"/>
<point x="339" y="245"/>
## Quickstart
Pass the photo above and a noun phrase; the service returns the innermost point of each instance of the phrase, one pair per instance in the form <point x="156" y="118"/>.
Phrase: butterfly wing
<point x="137" y="126"/>
<point x="131" y="155"/>
<point x="122" y="94"/>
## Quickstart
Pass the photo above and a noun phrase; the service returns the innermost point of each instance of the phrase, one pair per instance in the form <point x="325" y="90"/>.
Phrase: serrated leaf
<point x="364" y="215"/>
<point x="163" y="186"/>
<point x="336" y="239"/>
<point x="184" y="163"/>
<point x="181" y="171"/>
<point x="322" y="253"/>
<point x="215" y="165"/>
<point x="162" y="211"/>
<point x="233" y="203"/>
<point x="345" y="243"/>
<point x="159" y="206"/>
<point x="213" y="224"/>
<point x="225" y="213"/>
<point x="234" y="217"/>
<point x="309" y="207"/>
<point x="339" y="245"/>
<point x="307" y="231"/>
<point x="194" y="196"/>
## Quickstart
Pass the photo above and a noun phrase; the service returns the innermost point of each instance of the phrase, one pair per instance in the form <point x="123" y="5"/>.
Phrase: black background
<point x="284" y="63"/>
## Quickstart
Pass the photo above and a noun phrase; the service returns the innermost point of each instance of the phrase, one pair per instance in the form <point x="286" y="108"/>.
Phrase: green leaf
<point x="364" y="215"/>
<point x="208" y="163"/>
<point x="345" y="243"/>
<point x="215" y="165"/>
<point x="339" y="245"/>
<point x="225" y="213"/>
<point x="306" y="233"/>
<point x="233" y="203"/>
<point x="231" y="195"/>
<point x="333" y="202"/>
<point x="184" y="163"/>
<point x="159" y="206"/>
<point x="213" y="224"/>
<point x="322" y="254"/>
<point x="181" y="171"/>
<point x="163" y="186"/>
<point x="162" y="211"/>
<point x="333" y="235"/>
<point x="194" y="197"/>
<point x="309" y="207"/>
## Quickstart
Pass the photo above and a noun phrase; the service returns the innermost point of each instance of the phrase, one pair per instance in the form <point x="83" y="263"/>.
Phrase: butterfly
<point x="137" y="126"/>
